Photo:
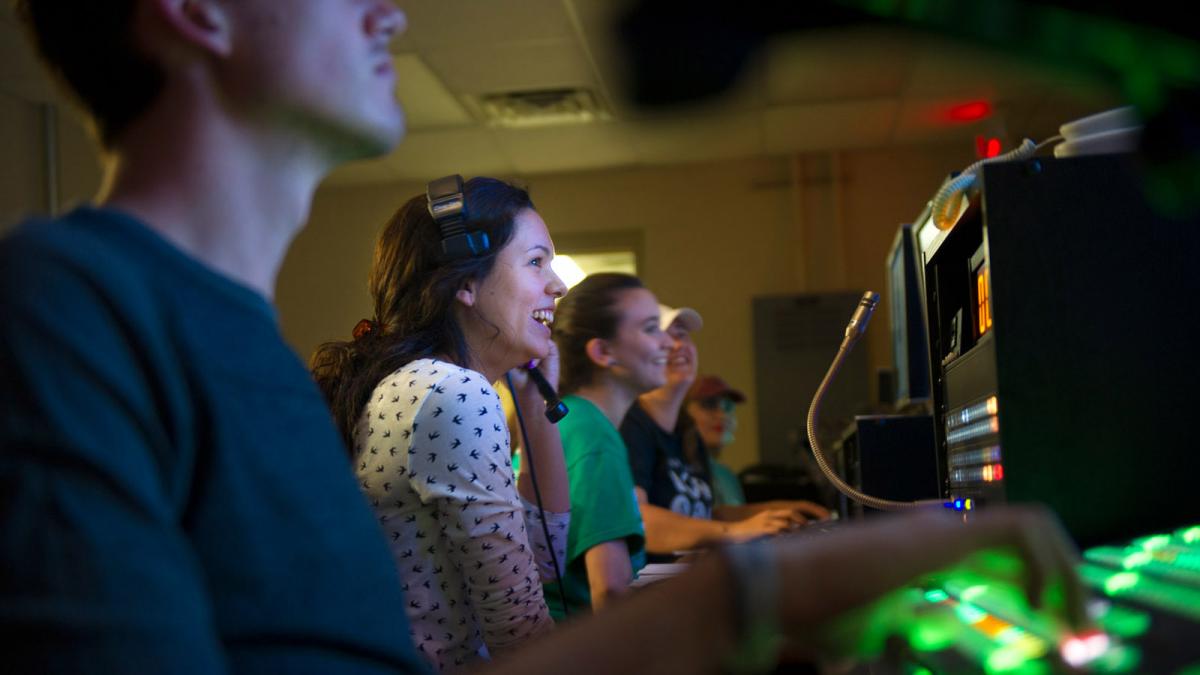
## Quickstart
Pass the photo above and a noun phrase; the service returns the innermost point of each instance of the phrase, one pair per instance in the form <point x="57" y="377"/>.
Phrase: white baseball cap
<point x="687" y="317"/>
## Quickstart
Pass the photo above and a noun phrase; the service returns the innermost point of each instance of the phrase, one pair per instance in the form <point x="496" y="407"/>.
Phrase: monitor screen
<point x="910" y="353"/>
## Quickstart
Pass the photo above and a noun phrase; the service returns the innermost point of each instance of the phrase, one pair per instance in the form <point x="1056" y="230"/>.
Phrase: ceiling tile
<point x="844" y="64"/>
<point x="461" y="23"/>
<point x="953" y="69"/>
<point x="494" y="68"/>
<point x="427" y="103"/>
<point x="428" y="154"/>
<point x="692" y="138"/>
<point x="566" y="148"/>
<point x="377" y="170"/>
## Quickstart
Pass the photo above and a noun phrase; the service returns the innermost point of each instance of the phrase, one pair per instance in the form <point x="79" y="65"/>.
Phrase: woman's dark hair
<point x="587" y="311"/>
<point x="414" y="294"/>
<point x="89" y="47"/>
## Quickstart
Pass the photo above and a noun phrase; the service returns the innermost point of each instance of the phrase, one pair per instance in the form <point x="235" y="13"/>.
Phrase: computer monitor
<point x="906" y="302"/>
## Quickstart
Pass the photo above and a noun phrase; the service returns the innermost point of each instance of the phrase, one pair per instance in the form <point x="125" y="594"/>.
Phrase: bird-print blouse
<point x="433" y="458"/>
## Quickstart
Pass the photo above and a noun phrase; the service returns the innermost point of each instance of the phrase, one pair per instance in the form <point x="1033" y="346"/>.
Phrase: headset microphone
<point x="555" y="408"/>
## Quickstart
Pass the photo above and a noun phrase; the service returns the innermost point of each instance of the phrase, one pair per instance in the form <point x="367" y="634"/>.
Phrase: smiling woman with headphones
<point x="463" y="293"/>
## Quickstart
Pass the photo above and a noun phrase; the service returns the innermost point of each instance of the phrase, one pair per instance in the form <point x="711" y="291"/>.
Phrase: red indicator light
<point x="985" y="148"/>
<point x="997" y="472"/>
<point x="970" y="112"/>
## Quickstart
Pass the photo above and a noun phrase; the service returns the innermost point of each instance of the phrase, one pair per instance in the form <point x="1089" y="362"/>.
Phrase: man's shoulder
<point x="84" y="226"/>
<point x="85" y="247"/>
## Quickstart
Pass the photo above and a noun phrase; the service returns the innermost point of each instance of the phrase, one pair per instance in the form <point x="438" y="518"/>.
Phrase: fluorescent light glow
<point x="567" y="269"/>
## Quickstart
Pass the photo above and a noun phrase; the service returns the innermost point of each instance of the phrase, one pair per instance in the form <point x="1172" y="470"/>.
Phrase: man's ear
<point x="204" y="24"/>
<point x="598" y="350"/>
<point x="467" y="294"/>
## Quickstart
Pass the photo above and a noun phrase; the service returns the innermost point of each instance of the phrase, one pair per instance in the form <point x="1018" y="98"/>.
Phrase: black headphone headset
<point x="448" y="206"/>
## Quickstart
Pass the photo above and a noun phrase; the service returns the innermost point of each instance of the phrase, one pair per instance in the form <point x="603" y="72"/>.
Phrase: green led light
<point x="969" y="613"/>
<point x="1137" y="559"/>
<point x="1152" y="543"/>
<point x="1191" y="535"/>
<point x="972" y="592"/>
<point x="922" y="671"/>
<point x="1121" y="581"/>
<point x="932" y="636"/>
<point x="936" y="595"/>
<point x="1119" y="659"/>
<point x="1013" y="660"/>
<point x="1005" y="660"/>
<point x="1009" y="635"/>
<point x="1124" y="621"/>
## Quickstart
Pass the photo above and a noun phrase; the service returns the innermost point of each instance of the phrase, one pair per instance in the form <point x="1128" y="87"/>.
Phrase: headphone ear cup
<point x="447" y="204"/>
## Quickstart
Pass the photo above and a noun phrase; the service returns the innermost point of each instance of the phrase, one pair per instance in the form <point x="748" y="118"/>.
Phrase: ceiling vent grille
<point x="541" y="108"/>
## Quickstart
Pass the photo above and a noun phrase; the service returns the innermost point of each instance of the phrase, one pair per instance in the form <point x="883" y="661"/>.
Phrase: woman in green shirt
<point x="611" y="350"/>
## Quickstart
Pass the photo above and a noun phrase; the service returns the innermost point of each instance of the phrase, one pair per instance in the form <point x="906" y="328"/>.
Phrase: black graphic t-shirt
<point x="661" y="468"/>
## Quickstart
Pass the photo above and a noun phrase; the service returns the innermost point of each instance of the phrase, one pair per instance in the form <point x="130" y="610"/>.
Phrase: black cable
<point x="537" y="494"/>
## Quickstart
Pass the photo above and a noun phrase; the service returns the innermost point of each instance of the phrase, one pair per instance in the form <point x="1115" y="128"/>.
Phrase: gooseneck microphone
<point x="862" y="314"/>
<point x="854" y="330"/>
<point x="555" y="408"/>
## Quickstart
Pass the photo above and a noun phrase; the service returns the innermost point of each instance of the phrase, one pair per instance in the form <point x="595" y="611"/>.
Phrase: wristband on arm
<point x="754" y="572"/>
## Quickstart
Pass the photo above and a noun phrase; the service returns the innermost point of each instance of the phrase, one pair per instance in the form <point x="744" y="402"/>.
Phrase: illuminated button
<point x="1122" y="581"/>
<point x="1154" y="542"/>
<point x="1081" y="650"/>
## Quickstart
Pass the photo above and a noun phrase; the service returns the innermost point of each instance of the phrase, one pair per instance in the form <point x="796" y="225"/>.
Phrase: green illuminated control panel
<point x="1146" y="606"/>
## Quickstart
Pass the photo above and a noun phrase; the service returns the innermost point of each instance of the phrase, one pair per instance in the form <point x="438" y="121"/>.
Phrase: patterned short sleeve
<point x="460" y="460"/>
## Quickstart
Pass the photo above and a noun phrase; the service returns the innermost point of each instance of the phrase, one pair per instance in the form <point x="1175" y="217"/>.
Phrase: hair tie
<point x="363" y="328"/>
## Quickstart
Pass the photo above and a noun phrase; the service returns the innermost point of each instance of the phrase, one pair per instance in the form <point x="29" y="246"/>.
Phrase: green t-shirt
<point x="727" y="490"/>
<point x="603" y="504"/>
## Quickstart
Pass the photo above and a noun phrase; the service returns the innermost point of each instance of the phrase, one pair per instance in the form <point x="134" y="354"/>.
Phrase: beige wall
<point x="25" y="176"/>
<point x="714" y="236"/>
